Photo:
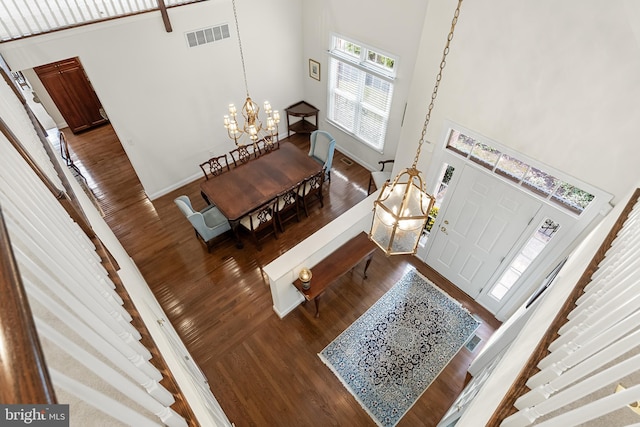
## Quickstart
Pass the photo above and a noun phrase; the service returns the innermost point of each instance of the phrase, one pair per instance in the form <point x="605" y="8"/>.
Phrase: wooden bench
<point x="343" y="259"/>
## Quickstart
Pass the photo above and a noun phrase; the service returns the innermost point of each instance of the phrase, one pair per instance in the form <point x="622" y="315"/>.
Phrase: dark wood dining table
<point x="248" y="186"/>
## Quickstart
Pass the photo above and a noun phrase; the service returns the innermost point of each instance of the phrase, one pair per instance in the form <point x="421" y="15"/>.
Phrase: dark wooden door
<point x="72" y="93"/>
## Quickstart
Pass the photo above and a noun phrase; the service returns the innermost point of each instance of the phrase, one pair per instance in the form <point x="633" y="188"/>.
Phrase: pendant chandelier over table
<point x="252" y="128"/>
<point x="401" y="210"/>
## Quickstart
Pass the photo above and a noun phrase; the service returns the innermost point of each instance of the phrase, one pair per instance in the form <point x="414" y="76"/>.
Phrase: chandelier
<point x="252" y="127"/>
<point x="402" y="208"/>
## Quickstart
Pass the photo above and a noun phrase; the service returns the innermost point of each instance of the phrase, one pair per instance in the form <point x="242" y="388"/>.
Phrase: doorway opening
<point x="69" y="87"/>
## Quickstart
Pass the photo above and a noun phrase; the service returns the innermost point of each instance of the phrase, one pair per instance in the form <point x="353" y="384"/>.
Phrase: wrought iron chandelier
<point x="252" y="127"/>
<point x="402" y="208"/>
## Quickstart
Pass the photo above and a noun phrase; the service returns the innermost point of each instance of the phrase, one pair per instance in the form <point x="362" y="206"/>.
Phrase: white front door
<point x="479" y="226"/>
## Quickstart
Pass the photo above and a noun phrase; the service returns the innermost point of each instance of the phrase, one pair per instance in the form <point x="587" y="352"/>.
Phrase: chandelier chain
<point x="434" y="94"/>
<point x="244" y="71"/>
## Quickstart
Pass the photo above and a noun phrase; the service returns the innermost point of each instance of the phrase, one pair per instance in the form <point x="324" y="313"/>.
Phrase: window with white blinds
<point x="360" y="90"/>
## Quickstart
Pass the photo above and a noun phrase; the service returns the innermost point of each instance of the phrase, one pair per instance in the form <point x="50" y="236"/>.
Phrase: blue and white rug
<point x="389" y="356"/>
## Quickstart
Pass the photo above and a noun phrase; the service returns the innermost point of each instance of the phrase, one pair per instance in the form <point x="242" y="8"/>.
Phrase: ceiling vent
<point x="207" y="35"/>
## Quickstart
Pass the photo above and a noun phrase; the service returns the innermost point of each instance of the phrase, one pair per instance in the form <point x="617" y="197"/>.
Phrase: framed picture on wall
<point x="314" y="69"/>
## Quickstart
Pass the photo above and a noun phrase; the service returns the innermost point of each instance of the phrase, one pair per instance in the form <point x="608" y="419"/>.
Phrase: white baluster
<point x="582" y="366"/>
<point x="147" y="375"/>
<point x="621" y="285"/>
<point x="612" y="310"/>
<point x="573" y="393"/>
<point x="596" y="409"/>
<point x="134" y="352"/>
<point x="117" y="324"/>
<point x="101" y="401"/>
<point x="602" y="285"/>
<point x="111" y="376"/>
<point x="585" y="346"/>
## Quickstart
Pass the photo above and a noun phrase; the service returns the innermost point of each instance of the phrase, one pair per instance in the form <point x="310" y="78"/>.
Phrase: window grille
<point x="360" y="90"/>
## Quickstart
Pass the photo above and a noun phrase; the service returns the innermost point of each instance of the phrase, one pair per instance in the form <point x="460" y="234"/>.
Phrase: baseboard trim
<point x="282" y="313"/>
<point x="167" y="190"/>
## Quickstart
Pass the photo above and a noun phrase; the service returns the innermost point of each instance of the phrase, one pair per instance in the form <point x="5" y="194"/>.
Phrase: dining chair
<point x="208" y="223"/>
<point x="287" y="206"/>
<point x="321" y="148"/>
<point x="267" y="145"/>
<point x="215" y="166"/>
<point x="243" y="154"/>
<point x="379" y="177"/>
<point x="261" y="221"/>
<point x="311" y="191"/>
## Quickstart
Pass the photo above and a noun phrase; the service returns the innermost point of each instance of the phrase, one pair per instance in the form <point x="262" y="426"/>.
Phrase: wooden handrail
<point x="23" y="373"/>
<point x="519" y="387"/>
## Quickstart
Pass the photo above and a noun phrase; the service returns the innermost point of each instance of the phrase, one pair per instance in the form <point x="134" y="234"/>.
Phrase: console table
<point x="343" y="259"/>
<point x="301" y="109"/>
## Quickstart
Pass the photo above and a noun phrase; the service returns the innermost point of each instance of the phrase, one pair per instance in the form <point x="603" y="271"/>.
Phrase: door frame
<point x="567" y="238"/>
<point x="519" y="225"/>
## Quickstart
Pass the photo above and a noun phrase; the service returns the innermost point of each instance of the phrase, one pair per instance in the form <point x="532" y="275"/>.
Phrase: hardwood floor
<point x="263" y="370"/>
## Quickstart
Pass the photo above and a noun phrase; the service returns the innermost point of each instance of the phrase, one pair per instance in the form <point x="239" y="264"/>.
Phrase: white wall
<point x="556" y="81"/>
<point x="284" y="270"/>
<point x="46" y="110"/>
<point x="393" y="27"/>
<point x="518" y="73"/>
<point x="165" y="100"/>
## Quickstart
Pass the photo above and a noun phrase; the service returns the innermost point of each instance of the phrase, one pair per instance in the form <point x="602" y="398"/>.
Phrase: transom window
<point x="360" y="90"/>
<point x="535" y="180"/>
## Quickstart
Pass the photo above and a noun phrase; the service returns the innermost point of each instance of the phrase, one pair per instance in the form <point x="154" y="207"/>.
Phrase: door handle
<point x="444" y="230"/>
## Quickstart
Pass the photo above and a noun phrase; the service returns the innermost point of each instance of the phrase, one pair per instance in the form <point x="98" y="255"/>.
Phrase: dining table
<point x="248" y="186"/>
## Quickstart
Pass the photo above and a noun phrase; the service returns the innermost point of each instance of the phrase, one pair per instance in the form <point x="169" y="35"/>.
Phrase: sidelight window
<point x="523" y="260"/>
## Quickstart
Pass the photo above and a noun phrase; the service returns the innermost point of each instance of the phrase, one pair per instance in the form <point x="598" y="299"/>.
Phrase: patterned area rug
<point x="389" y="356"/>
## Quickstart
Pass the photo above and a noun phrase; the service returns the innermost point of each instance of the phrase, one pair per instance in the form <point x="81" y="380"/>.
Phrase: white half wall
<point x="283" y="271"/>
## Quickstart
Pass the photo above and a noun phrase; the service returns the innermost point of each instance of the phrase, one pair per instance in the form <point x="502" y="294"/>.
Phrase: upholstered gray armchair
<point x="208" y="223"/>
<point x="321" y="149"/>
